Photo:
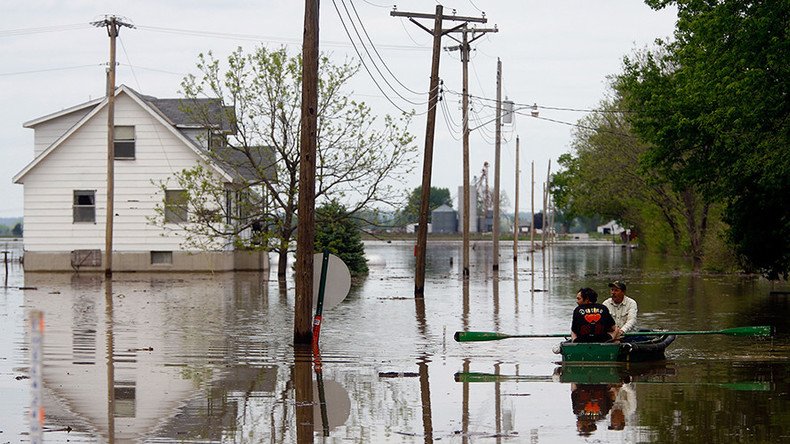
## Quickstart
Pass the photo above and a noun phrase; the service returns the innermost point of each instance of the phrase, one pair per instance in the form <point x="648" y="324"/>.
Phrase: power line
<point x="261" y="38"/>
<point x="64" y="68"/>
<point x="364" y="65"/>
<point x="376" y="51"/>
<point x="43" y="29"/>
<point x="553" y="108"/>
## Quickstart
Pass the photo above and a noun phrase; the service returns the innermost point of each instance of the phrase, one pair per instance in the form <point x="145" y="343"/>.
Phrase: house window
<point x="217" y="141"/>
<point x="124" y="142"/>
<point x="84" y="209"/>
<point x="175" y="206"/>
<point x="161" y="258"/>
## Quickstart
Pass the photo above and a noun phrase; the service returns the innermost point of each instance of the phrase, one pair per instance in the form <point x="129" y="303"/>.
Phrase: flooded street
<point x="209" y="358"/>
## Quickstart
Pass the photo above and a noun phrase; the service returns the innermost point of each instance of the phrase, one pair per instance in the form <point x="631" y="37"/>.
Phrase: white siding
<point x="48" y="132"/>
<point x="79" y="163"/>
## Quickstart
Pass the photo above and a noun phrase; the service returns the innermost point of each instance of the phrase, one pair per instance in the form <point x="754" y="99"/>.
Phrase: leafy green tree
<point x="358" y="156"/>
<point x="437" y="197"/>
<point x="17" y="230"/>
<point x="604" y="177"/>
<point x="339" y="233"/>
<point x="713" y="106"/>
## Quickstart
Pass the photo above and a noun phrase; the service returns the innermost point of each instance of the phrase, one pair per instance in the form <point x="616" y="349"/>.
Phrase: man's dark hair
<point x="589" y="294"/>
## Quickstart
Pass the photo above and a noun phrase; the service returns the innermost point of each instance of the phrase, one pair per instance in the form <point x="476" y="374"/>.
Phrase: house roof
<point x="443" y="208"/>
<point x="146" y="104"/>
<point x="194" y="113"/>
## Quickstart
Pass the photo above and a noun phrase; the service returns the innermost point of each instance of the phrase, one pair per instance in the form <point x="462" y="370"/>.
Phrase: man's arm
<point x="630" y="324"/>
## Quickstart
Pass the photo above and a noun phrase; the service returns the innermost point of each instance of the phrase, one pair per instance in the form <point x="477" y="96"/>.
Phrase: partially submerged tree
<point x="359" y="160"/>
<point x="713" y="105"/>
<point x="340" y="234"/>
<point x="605" y="176"/>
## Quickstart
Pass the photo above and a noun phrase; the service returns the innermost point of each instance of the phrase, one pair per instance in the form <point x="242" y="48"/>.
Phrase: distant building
<point x="610" y="227"/>
<point x="473" y="223"/>
<point x="444" y="220"/>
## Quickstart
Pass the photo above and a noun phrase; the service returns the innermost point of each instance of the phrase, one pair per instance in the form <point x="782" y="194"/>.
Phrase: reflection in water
<point x="110" y="355"/>
<point x="302" y="382"/>
<point x="208" y="358"/>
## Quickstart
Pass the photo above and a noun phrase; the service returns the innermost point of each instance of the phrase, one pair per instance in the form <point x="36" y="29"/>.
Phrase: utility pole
<point x="305" y="230"/>
<point x="433" y="97"/>
<point x="545" y="206"/>
<point x="465" y="50"/>
<point x="113" y="25"/>
<point x="516" y="230"/>
<point x="497" y="160"/>
<point x="532" y="210"/>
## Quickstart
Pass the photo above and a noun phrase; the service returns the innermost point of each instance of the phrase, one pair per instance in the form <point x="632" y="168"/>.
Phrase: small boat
<point x="632" y="349"/>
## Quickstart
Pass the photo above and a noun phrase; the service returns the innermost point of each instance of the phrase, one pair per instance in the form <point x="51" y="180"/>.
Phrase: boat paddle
<point x="479" y="336"/>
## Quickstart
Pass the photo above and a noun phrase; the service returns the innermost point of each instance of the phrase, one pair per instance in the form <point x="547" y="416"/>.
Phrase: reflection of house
<point x="168" y="373"/>
<point x="65" y="187"/>
<point x="610" y="227"/>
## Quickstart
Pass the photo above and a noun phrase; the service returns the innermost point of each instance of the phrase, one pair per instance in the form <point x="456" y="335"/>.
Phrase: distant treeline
<point x="11" y="226"/>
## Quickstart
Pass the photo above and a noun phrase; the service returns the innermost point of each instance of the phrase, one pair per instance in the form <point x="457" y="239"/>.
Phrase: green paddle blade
<point x="761" y="330"/>
<point x="474" y="336"/>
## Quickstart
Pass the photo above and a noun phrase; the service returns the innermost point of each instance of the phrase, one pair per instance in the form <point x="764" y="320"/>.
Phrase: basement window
<point x="161" y="258"/>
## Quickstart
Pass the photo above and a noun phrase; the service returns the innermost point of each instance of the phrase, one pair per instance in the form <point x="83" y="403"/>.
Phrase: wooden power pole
<point x="113" y="25"/>
<point x="465" y="48"/>
<point x="305" y="230"/>
<point x="433" y="97"/>
<point x="515" y="215"/>
<point x="497" y="161"/>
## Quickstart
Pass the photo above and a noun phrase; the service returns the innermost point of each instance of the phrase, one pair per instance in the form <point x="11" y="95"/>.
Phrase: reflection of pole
<point x="465" y="314"/>
<point x="5" y="263"/>
<point x="425" y="397"/>
<point x="496" y="299"/>
<point x="36" y="357"/>
<point x="303" y="387"/>
<point x="319" y="377"/>
<point x="465" y="407"/>
<point x="108" y="308"/>
<point x="515" y="291"/>
<point x="498" y="404"/>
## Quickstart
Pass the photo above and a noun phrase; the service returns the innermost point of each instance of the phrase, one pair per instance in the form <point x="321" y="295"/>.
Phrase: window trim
<point x="129" y="144"/>
<point x="176" y="212"/>
<point x="76" y="207"/>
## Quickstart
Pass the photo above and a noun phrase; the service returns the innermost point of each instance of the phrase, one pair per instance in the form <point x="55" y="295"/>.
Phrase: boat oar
<point x="478" y="336"/>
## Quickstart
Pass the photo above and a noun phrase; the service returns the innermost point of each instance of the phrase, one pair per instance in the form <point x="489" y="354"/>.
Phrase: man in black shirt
<point x="592" y="322"/>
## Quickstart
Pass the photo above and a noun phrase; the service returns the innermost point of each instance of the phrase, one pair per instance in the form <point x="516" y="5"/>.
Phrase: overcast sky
<point x="555" y="53"/>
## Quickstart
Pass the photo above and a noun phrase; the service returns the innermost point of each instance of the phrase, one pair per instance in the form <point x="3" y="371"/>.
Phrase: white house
<point x="610" y="227"/>
<point x="65" y="188"/>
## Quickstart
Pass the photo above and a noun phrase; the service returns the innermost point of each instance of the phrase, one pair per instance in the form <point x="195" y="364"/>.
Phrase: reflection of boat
<point x="635" y="349"/>
<point x="612" y="373"/>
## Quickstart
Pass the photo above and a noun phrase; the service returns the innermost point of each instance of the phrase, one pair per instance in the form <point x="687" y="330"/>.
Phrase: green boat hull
<point x="640" y="349"/>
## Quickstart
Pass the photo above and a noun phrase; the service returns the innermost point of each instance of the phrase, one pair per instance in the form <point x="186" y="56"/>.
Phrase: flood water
<point x="209" y="358"/>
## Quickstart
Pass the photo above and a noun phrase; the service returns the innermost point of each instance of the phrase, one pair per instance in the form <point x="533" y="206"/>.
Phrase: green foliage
<point x="17" y="230"/>
<point x="604" y="177"/>
<point x="713" y="106"/>
<point x="360" y="158"/>
<point x="437" y="197"/>
<point x="338" y="233"/>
